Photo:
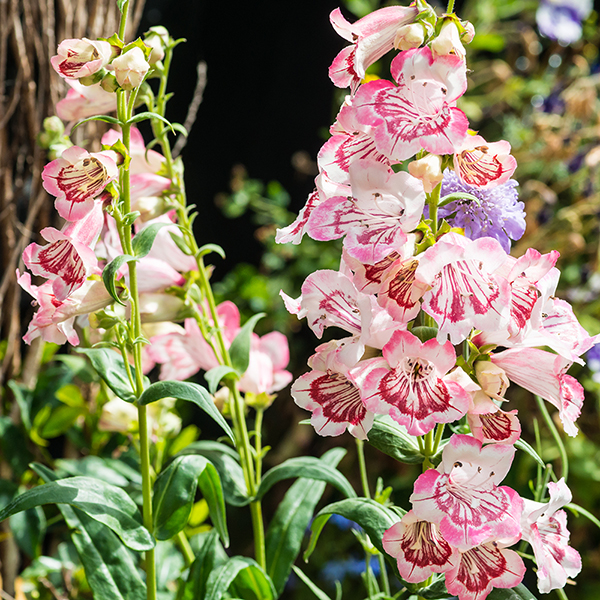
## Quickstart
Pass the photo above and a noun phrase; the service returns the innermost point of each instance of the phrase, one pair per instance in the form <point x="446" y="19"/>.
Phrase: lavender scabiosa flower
<point x="497" y="212"/>
<point x="561" y="19"/>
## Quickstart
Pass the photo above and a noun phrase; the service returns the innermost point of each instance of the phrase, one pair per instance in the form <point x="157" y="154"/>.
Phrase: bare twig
<point x="192" y="113"/>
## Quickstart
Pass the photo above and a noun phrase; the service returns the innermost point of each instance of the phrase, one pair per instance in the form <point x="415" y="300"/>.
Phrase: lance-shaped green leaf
<point x="391" y="439"/>
<point x="373" y="517"/>
<point x="317" y="591"/>
<point x="110" y="366"/>
<point x="192" y="392"/>
<point x="523" y="445"/>
<point x="239" y="351"/>
<point x="101" y="501"/>
<point x="143" y="240"/>
<point x="109" y="567"/>
<point x="208" y="248"/>
<point x="309" y="468"/>
<point x="144" y="116"/>
<point x="227" y="462"/>
<point x="109" y="275"/>
<point x="251" y="579"/>
<point x="209" y="556"/>
<point x="217" y="374"/>
<point x="517" y="593"/>
<point x="288" y="526"/>
<point x="174" y="493"/>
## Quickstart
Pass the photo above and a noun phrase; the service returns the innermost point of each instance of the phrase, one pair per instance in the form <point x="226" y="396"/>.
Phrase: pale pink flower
<point x="478" y="570"/>
<point x="419" y="548"/>
<point x="331" y="396"/>
<point x="130" y="68"/>
<point x="448" y="41"/>
<point x="544" y="374"/>
<point x="545" y="528"/>
<point x="465" y="292"/>
<point x="68" y="260"/>
<point x="383" y="208"/>
<point x="428" y="169"/>
<point x="485" y="165"/>
<point x="81" y="58"/>
<point x="269" y="355"/>
<point x="76" y="178"/>
<point x="419" y="112"/>
<point x="408" y="383"/>
<point x="462" y="495"/>
<point x="84" y="101"/>
<point x="185" y="352"/>
<point x="409" y="36"/>
<point x="54" y="319"/>
<point x="371" y="37"/>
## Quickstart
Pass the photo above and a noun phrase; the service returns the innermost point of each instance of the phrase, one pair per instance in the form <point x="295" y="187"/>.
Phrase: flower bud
<point x="492" y="379"/>
<point x="428" y="169"/>
<point x="94" y="78"/>
<point x="158" y="52"/>
<point x="80" y="58"/>
<point x="409" y="36"/>
<point x="130" y="68"/>
<point x="109" y="83"/>
<point x="469" y="33"/>
<point x="448" y="41"/>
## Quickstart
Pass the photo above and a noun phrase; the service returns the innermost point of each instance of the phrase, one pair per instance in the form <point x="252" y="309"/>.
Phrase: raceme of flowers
<point x="438" y="319"/>
<point x="85" y="185"/>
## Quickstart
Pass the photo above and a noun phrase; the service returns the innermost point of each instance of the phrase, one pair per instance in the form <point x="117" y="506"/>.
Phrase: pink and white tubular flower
<point x="54" y="319"/>
<point x="462" y="495"/>
<point x="482" y="568"/>
<point x="419" y="112"/>
<point x="483" y="164"/>
<point x="409" y="383"/>
<point x="371" y="37"/>
<point x="84" y="101"/>
<point x="76" y="178"/>
<point x="130" y="68"/>
<point x="81" y="58"/>
<point x="544" y="374"/>
<point x="419" y="548"/>
<point x="350" y="141"/>
<point x="332" y="398"/>
<point x="545" y="528"/>
<point x="383" y="208"/>
<point x="465" y="292"/>
<point x="68" y="260"/>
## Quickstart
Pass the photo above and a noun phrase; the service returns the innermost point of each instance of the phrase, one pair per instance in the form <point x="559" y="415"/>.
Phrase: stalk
<point x="252" y="475"/>
<point x="450" y="8"/>
<point x="552" y="427"/>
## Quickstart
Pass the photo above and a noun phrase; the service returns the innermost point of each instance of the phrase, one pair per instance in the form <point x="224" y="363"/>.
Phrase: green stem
<point x="552" y="427"/>
<point x="362" y="465"/>
<point x="433" y="201"/>
<point x="123" y="21"/>
<point x="439" y="432"/>
<point x="258" y="443"/>
<point x="450" y="8"/>
<point x="186" y="549"/>
<point x="385" y="582"/>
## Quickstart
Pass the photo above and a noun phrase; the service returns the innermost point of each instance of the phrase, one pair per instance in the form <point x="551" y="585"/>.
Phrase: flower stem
<point x="450" y="8"/>
<point x="552" y="427"/>
<point x="362" y="465"/>
<point x="186" y="549"/>
<point x="433" y="201"/>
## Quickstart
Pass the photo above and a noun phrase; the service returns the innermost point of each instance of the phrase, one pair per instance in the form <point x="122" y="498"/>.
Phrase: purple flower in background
<point x="497" y="214"/>
<point x="593" y="362"/>
<point x="561" y="19"/>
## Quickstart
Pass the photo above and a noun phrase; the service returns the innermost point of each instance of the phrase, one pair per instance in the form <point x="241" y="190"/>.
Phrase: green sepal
<point x="139" y="43"/>
<point x="192" y="392"/>
<point x="175" y="491"/>
<point x="239" y="351"/>
<point x="109" y="275"/>
<point x="120" y="148"/>
<point x="143" y="240"/>
<point x="101" y="501"/>
<point x="307" y="467"/>
<point x="215" y="375"/>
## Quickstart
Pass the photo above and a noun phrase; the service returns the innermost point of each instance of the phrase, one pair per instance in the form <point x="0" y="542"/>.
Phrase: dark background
<point x="268" y="96"/>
